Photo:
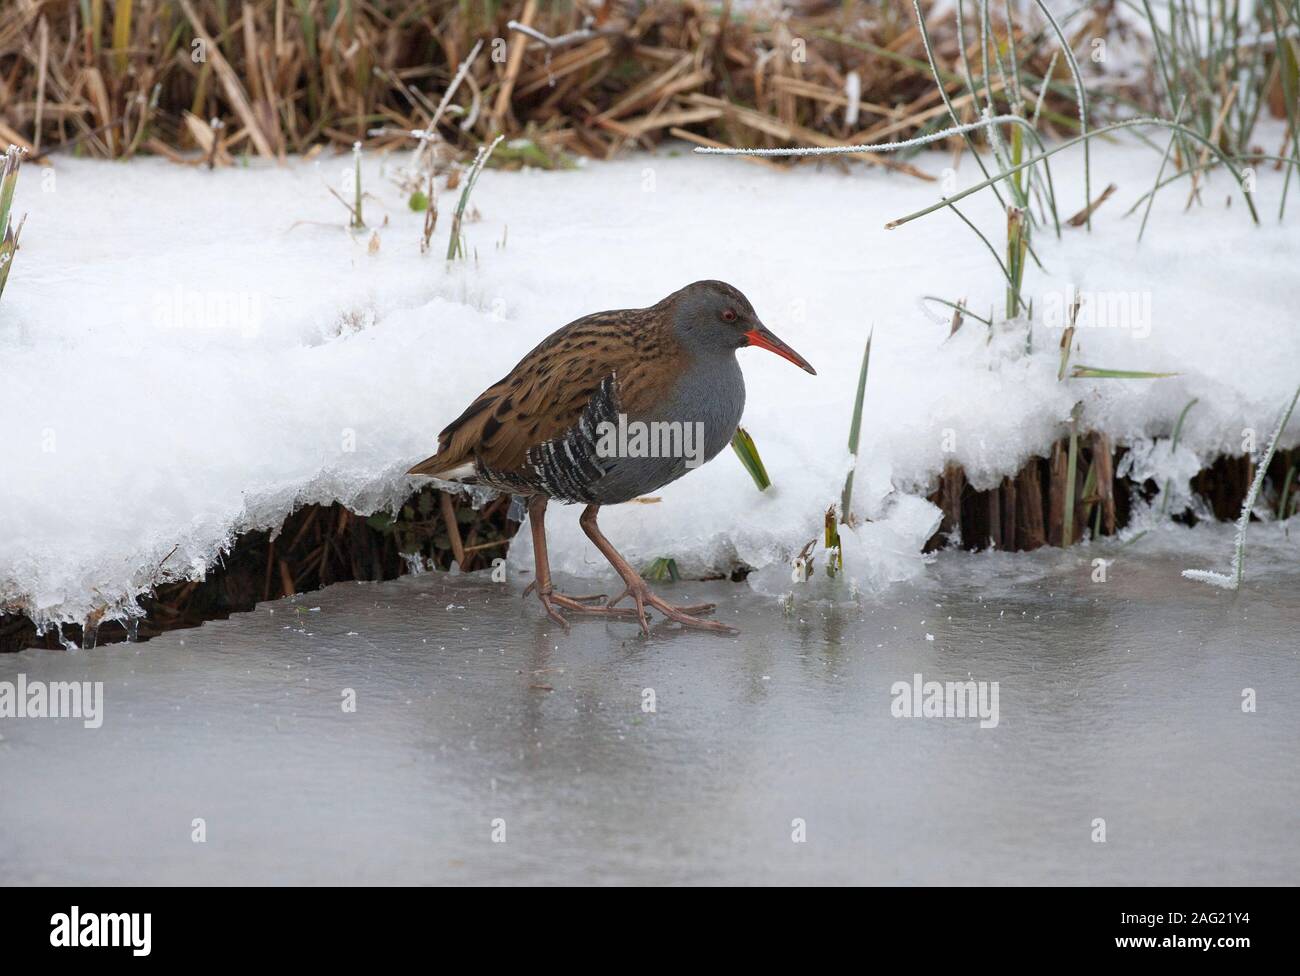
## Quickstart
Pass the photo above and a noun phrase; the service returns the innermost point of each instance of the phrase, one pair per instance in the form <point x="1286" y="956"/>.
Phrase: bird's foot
<point x="643" y="596"/>
<point x="553" y="600"/>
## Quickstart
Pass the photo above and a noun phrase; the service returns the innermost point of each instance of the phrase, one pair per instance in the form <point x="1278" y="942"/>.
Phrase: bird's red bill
<point x="765" y="339"/>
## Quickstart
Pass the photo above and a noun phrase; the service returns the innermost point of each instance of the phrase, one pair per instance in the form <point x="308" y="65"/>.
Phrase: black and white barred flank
<point x="565" y="468"/>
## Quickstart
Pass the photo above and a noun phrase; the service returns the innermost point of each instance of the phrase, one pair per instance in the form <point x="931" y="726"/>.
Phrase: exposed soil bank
<point x="1026" y="512"/>
<point x="319" y="545"/>
<point x="315" y="546"/>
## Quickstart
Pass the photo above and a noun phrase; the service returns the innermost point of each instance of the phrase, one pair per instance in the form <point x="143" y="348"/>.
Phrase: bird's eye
<point x="729" y="315"/>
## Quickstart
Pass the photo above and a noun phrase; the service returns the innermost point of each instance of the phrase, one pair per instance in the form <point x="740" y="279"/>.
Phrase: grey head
<point x="713" y="318"/>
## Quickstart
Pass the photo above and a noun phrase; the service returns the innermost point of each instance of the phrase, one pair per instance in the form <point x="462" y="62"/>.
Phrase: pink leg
<point x="639" y="590"/>
<point x="545" y="592"/>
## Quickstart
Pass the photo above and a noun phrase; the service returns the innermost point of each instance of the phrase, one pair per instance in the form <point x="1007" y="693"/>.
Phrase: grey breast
<point x="687" y="428"/>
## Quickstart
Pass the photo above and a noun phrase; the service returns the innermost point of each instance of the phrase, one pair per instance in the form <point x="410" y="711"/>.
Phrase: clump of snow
<point x="1171" y="468"/>
<point x="186" y="355"/>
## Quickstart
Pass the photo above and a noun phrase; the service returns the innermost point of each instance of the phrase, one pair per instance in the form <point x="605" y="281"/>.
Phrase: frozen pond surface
<point x="1119" y="700"/>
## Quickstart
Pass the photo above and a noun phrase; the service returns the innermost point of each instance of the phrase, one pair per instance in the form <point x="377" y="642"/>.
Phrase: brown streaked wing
<point x="545" y="394"/>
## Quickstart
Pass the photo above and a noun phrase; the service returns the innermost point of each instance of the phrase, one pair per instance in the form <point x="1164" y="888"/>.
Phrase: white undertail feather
<point x="460" y="472"/>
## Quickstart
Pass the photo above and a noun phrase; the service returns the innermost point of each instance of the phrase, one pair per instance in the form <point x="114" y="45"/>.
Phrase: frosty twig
<point x="1232" y="580"/>
<point x="955" y="130"/>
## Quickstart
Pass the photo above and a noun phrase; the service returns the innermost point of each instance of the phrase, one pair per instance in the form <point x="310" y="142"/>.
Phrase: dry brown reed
<point x="116" y="78"/>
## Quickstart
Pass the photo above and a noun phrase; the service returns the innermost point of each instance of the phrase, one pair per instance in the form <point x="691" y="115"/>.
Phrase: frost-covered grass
<point x="188" y="354"/>
<point x="9" y="165"/>
<point x="1232" y="580"/>
<point x="456" y="240"/>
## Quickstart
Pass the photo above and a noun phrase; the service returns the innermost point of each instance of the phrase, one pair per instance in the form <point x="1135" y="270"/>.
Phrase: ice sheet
<point x="1118" y="700"/>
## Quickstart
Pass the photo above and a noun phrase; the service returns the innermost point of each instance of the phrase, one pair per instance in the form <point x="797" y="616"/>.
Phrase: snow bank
<point x="186" y="355"/>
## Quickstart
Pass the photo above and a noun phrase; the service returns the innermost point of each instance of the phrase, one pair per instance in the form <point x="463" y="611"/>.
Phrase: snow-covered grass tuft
<point x="1232" y="580"/>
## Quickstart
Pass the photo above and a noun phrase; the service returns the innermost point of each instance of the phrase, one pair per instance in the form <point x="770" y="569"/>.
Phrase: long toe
<point x="686" y="616"/>
<point x="686" y="619"/>
<point x="577" y="599"/>
<point x="592" y="598"/>
<point x="582" y="605"/>
<point x="697" y="608"/>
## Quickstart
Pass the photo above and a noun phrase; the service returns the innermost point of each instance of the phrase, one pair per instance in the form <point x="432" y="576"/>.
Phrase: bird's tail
<point x="443" y="468"/>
